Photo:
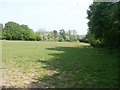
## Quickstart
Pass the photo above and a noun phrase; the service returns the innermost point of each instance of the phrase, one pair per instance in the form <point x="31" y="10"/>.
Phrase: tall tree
<point x="14" y="31"/>
<point x="1" y="28"/>
<point x="55" y="34"/>
<point x="62" y="33"/>
<point x="104" y="22"/>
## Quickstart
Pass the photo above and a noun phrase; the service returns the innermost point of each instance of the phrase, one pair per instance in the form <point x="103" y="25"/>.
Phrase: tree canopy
<point x="104" y="24"/>
<point x="14" y="31"/>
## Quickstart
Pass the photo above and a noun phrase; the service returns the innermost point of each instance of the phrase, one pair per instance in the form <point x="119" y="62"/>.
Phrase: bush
<point x="60" y="39"/>
<point x="38" y="37"/>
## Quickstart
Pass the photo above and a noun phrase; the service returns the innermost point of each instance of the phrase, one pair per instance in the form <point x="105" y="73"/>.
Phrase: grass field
<point x="30" y="64"/>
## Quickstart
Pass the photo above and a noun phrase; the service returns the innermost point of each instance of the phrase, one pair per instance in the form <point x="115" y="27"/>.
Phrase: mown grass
<point x="58" y="64"/>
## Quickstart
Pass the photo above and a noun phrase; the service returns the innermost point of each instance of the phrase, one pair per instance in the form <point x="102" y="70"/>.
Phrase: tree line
<point x="104" y="24"/>
<point x="15" y="31"/>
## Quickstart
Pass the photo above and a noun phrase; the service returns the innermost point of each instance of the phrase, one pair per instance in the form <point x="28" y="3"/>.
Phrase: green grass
<point x="58" y="64"/>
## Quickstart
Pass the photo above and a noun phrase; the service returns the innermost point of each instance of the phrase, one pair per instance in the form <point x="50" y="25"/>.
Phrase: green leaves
<point x="104" y="22"/>
<point x="14" y="31"/>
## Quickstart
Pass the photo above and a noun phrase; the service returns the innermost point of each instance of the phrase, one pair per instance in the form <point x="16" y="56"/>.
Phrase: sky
<point x="47" y="14"/>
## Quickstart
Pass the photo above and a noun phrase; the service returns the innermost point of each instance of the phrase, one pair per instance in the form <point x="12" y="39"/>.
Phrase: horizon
<point x="52" y="14"/>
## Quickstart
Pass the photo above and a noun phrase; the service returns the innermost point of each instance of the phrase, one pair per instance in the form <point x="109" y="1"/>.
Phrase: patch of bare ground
<point x="15" y="78"/>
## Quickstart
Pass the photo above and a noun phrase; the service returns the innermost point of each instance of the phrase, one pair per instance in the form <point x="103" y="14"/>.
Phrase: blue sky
<point x="47" y="14"/>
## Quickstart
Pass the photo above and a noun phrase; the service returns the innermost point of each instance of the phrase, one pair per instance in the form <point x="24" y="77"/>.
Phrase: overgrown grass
<point x="58" y="64"/>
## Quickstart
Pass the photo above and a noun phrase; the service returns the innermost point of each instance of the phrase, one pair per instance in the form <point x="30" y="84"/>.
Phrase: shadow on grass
<point x="80" y="68"/>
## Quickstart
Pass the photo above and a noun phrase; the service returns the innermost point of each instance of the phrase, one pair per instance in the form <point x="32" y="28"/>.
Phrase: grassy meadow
<point x="32" y="64"/>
